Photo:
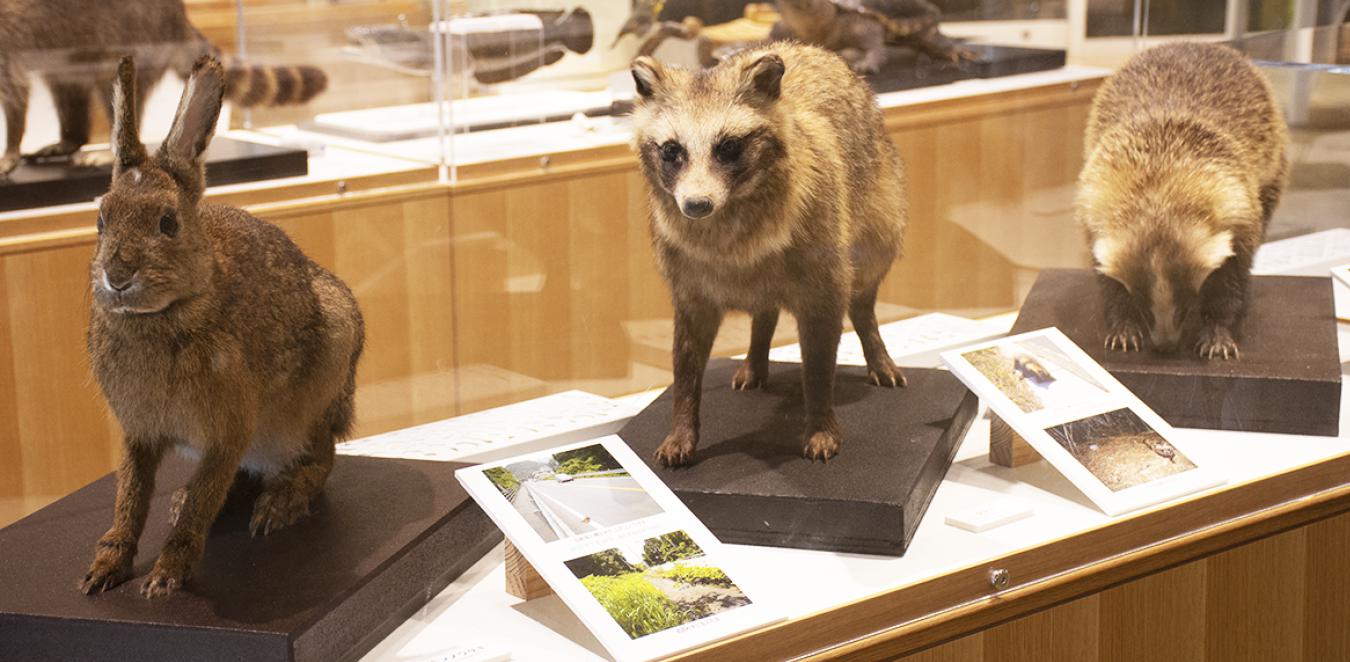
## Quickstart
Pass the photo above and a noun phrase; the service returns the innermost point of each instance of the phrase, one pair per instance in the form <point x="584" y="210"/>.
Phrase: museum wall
<point x="518" y="281"/>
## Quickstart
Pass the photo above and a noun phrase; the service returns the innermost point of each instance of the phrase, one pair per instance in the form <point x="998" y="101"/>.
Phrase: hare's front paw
<point x="56" y="150"/>
<point x="107" y="571"/>
<point x="161" y="584"/>
<point x="276" y="508"/>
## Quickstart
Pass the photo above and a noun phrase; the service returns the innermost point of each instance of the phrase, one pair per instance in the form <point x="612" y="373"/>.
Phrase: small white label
<point x="469" y="654"/>
<point x="983" y="518"/>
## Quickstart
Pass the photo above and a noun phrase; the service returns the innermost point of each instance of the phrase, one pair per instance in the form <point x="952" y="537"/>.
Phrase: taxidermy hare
<point x="210" y="332"/>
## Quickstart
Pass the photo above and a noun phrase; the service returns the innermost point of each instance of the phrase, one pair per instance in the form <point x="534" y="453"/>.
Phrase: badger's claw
<point x="822" y="445"/>
<point x="677" y="449"/>
<point x="1125" y="339"/>
<point x="1217" y="342"/>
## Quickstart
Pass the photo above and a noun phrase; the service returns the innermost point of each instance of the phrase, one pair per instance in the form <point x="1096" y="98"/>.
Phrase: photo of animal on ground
<point x="1120" y="449"/>
<point x="572" y="492"/>
<point x="1036" y="374"/>
<point x="657" y="584"/>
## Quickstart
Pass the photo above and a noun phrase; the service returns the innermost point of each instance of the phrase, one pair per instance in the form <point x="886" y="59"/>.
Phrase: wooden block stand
<point x="1006" y="447"/>
<point x="521" y="579"/>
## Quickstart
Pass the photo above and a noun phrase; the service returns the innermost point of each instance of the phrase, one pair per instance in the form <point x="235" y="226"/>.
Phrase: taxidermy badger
<point x="74" y="45"/>
<point x="773" y="186"/>
<point x="1185" y="152"/>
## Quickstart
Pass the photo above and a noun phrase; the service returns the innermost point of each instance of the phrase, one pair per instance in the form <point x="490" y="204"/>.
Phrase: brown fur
<point x="1185" y="152"/>
<point x="227" y="343"/>
<point x="808" y="216"/>
<point x="74" y="45"/>
<point x="860" y="30"/>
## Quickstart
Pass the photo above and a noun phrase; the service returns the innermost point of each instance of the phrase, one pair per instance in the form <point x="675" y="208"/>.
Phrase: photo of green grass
<point x="657" y="584"/>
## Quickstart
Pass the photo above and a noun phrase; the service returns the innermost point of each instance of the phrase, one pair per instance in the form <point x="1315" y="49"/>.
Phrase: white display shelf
<point x="476" y="611"/>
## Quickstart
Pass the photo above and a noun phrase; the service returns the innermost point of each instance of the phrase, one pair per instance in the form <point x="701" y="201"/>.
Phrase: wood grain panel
<point x="1326" y="633"/>
<point x="1255" y="600"/>
<point x="11" y="455"/>
<point x="965" y="649"/>
<point x="1160" y="618"/>
<point x="63" y="434"/>
<point x="1067" y="633"/>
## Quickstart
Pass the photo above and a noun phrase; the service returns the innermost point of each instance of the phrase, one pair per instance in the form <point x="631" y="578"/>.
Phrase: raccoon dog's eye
<point x="99" y="223"/>
<point x="168" y="224"/>
<point x="671" y="151"/>
<point x="729" y="150"/>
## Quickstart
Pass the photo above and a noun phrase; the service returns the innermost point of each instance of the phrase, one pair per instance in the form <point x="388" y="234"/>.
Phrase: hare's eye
<point x="168" y="224"/>
<point x="99" y="223"/>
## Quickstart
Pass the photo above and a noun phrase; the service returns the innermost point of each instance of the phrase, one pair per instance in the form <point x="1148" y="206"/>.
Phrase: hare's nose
<point x="118" y="282"/>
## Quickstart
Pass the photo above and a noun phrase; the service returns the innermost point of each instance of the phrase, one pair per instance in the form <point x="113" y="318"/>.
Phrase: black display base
<point x="907" y="69"/>
<point x="227" y="162"/>
<point x="1287" y="381"/>
<point x="385" y="536"/>
<point x="749" y="483"/>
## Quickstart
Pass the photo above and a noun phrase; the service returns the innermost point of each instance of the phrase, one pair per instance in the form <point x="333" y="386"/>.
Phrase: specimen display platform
<point x="227" y="162"/>
<point x="385" y="536"/>
<point x="1288" y="379"/>
<point x="906" y="69"/>
<point x="750" y="485"/>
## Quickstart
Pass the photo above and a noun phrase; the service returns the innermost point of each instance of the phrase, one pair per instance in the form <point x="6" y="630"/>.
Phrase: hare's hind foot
<point x="286" y="497"/>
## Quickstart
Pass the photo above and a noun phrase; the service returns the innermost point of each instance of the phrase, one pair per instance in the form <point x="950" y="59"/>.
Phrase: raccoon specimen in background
<point x="1185" y="152"/>
<point x="773" y="186"/>
<point x="74" y="46"/>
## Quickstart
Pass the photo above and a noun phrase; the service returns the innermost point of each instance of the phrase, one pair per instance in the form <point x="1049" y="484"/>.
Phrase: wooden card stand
<point x="521" y="579"/>
<point x="1006" y="447"/>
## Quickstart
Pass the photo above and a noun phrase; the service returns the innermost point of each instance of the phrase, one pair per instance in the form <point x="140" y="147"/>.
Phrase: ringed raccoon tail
<point x="254" y="85"/>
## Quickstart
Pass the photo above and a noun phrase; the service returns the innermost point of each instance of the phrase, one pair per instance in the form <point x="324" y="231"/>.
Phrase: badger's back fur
<point x="773" y="186"/>
<point x="1185" y="162"/>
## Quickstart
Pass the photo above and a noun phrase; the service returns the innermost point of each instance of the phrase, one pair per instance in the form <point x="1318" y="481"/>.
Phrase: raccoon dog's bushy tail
<point x="251" y="85"/>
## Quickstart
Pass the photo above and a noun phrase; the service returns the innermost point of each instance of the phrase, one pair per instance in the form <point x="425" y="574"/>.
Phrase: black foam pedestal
<point x="227" y="162"/>
<point x="384" y="537"/>
<point x="1288" y="379"/>
<point x="907" y="69"/>
<point x="750" y="485"/>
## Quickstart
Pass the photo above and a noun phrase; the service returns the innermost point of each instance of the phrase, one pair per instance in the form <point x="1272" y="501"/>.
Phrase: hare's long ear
<point x="195" y="122"/>
<point x="128" y="151"/>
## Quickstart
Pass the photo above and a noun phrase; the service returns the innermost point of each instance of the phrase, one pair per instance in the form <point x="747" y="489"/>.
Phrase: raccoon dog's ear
<point x="763" y="79"/>
<point x="1106" y="253"/>
<point x="195" y="122"/>
<point x="648" y="76"/>
<point x="128" y="151"/>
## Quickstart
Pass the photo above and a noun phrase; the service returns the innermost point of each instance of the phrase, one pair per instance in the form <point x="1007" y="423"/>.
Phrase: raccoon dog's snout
<point x="697" y="207"/>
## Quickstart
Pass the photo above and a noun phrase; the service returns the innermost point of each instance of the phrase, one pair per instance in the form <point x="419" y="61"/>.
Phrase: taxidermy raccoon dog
<point x="74" y="46"/>
<point x="210" y="332"/>
<point x="1185" y="153"/>
<point x="773" y="186"/>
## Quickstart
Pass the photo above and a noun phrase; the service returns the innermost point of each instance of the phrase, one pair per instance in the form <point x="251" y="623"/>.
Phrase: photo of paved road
<point x="572" y="492"/>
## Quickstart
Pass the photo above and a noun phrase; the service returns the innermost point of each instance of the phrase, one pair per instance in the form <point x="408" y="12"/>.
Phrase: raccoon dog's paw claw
<point x="677" y="450"/>
<point x="747" y="378"/>
<point x="886" y="374"/>
<point x="1217" y="343"/>
<point x="821" y="445"/>
<point x="1125" y="340"/>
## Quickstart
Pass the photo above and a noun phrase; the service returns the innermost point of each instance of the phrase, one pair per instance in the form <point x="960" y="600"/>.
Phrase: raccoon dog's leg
<point x="14" y="96"/>
<point x="819" y="327"/>
<point x="1223" y="298"/>
<point x="135" y="486"/>
<point x="863" y="311"/>
<point x="1124" y="327"/>
<point x="72" y="109"/>
<point x="286" y="496"/>
<point x="206" y="492"/>
<point x="754" y="370"/>
<point x="696" y="323"/>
